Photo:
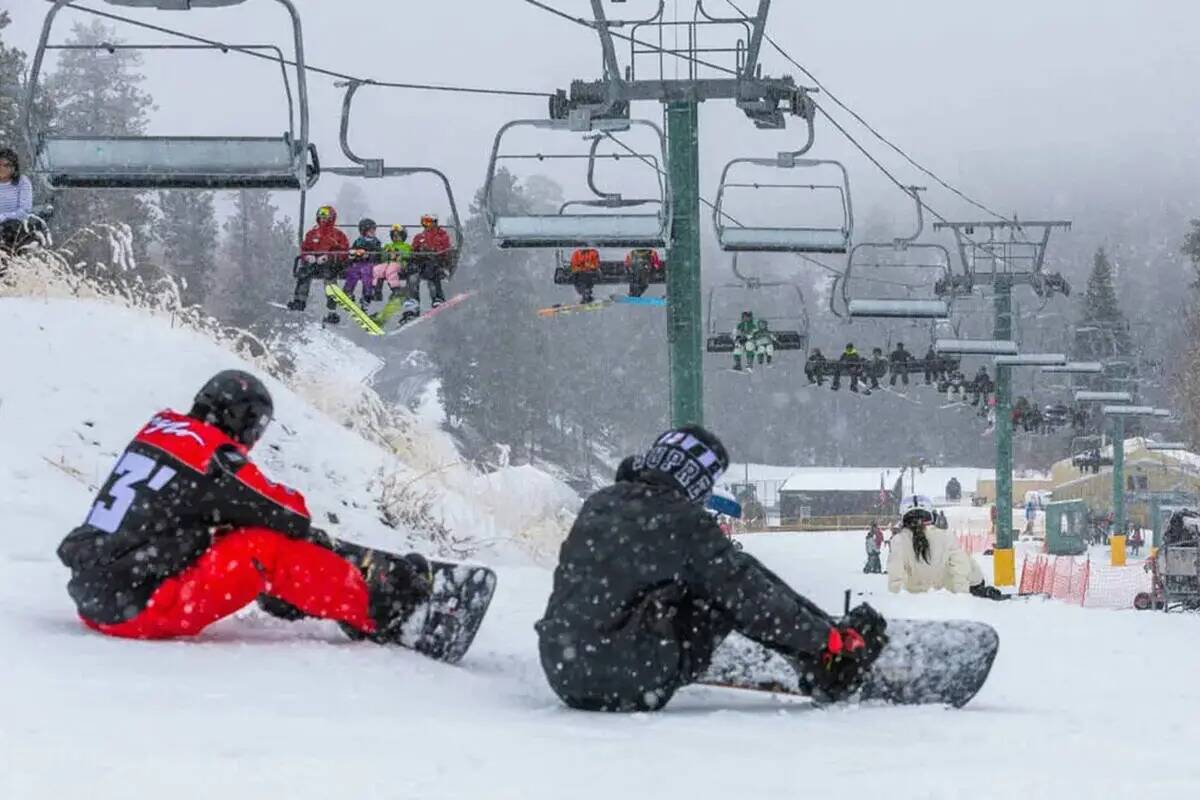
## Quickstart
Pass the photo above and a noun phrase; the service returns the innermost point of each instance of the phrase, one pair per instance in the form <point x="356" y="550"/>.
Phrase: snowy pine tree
<point x="99" y="92"/>
<point x="12" y="87"/>
<point x="188" y="233"/>
<point x="1102" y="332"/>
<point x="258" y="250"/>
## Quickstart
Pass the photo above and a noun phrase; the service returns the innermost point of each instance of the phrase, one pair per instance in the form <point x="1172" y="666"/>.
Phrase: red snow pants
<point x="240" y="566"/>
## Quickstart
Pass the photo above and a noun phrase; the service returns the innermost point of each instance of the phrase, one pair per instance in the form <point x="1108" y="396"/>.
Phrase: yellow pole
<point x="1116" y="546"/>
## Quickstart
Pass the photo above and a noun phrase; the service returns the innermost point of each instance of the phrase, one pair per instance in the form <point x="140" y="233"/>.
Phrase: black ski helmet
<point x="365" y="224"/>
<point x="693" y="456"/>
<point x="236" y="403"/>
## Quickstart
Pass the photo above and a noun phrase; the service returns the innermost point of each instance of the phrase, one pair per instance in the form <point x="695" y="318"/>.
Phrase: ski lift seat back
<point x="822" y="239"/>
<point x="175" y="162"/>
<point x="81" y="160"/>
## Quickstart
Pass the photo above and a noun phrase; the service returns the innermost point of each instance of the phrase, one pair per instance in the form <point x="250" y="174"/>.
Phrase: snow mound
<point x="83" y="375"/>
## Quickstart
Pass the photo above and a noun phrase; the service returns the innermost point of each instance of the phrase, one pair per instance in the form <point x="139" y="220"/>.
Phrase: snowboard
<point x="652" y="302"/>
<point x="574" y="308"/>
<point x="347" y="304"/>
<point x="452" y="301"/>
<point x="444" y="627"/>
<point x="925" y="662"/>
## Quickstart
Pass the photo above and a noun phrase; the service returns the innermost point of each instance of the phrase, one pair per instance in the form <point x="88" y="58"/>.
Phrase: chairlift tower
<point x="591" y="104"/>
<point x="1005" y="258"/>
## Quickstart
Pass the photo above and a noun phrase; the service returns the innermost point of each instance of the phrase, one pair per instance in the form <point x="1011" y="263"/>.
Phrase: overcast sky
<point x="1002" y="97"/>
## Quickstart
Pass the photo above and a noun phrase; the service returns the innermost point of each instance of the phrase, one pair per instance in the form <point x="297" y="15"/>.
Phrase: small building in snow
<point x="825" y="492"/>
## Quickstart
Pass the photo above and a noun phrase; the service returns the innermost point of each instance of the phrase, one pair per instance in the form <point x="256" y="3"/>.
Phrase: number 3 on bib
<point x="133" y="469"/>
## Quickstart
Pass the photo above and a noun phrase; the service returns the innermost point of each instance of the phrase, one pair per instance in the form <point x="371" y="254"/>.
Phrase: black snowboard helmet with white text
<point x="692" y="456"/>
<point x="237" y="404"/>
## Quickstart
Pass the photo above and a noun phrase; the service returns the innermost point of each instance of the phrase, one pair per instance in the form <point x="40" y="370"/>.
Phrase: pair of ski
<point x="374" y="324"/>
<point x="597" y="305"/>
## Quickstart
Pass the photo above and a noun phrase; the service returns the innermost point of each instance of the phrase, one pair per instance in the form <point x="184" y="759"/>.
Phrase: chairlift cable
<point x="924" y="170"/>
<point x="430" y="87"/>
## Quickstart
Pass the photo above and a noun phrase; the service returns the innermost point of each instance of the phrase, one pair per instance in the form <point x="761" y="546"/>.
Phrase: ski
<point x="356" y="313"/>
<point x="573" y="308"/>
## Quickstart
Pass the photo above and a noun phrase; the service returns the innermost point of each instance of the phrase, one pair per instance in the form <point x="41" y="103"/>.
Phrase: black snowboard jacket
<point x="178" y="485"/>
<point x="646" y="587"/>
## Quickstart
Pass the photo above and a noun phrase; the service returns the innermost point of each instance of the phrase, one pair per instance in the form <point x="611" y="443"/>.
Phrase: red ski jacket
<point x="179" y="485"/>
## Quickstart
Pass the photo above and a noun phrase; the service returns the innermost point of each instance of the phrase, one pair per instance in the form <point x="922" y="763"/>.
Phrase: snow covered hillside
<point x="1081" y="703"/>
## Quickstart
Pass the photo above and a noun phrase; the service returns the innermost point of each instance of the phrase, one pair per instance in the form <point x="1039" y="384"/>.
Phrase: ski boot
<point x="411" y="310"/>
<point x="737" y="363"/>
<point x="296" y="304"/>
<point x="332" y="317"/>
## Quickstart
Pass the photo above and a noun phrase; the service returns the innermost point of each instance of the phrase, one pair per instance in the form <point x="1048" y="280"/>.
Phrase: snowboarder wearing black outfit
<point x="981" y="387"/>
<point x="899" y="360"/>
<point x="877" y="367"/>
<point x="647" y="586"/>
<point x="815" y="366"/>
<point x="934" y="368"/>
<point x="850" y="363"/>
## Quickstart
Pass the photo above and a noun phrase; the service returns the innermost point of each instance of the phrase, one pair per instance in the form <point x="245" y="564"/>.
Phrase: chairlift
<point x="734" y="236"/>
<point x="374" y="168"/>
<point x="625" y="226"/>
<point x="881" y="278"/>
<point x="789" y="330"/>
<point x="85" y="160"/>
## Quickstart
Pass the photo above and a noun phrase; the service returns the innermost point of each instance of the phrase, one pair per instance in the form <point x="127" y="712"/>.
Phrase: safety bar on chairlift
<point x="301" y="69"/>
<point x="803" y="319"/>
<point x="787" y="160"/>
<point x="371" y="168"/>
<point x="594" y="124"/>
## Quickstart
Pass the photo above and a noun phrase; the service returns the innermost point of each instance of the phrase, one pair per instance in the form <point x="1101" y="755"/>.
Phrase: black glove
<point x="981" y="589"/>
<point x="854" y="643"/>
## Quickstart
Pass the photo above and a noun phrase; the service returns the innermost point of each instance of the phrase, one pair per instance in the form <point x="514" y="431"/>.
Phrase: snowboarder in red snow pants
<point x="186" y="531"/>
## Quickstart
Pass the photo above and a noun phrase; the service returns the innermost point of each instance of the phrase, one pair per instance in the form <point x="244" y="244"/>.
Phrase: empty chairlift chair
<point x="282" y="162"/>
<point x="628" y="225"/>
<point x="735" y="235"/>
<point x="901" y="279"/>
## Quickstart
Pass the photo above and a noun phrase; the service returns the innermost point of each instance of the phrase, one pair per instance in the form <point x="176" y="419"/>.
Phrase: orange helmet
<point x="429" y="220"/>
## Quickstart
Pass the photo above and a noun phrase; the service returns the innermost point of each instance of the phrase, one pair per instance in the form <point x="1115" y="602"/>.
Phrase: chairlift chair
<point x="374" y="168"/>
<point x="733" y="236"/>
<point x="84" y="160"/>
<point x="624" y="227"/>
<point x="881" y="278"/>
<point x="790" y="331"/>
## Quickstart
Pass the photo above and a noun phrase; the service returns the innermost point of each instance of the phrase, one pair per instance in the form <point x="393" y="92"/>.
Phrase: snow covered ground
<point x="1081" y="703"/>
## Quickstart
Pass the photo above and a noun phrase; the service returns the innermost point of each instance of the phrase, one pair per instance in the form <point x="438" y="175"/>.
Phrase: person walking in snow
<point x="872" y="567"/>
<point x="925" y="557"/>
<point x="647" y="587"/>
<point x="186" y="530"/>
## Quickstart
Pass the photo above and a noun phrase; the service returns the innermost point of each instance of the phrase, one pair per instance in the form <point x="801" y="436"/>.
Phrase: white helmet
<point x="916" y="506"/>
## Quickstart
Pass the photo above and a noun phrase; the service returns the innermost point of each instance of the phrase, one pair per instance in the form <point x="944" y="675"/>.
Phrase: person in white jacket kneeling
<point x="924" y="557"/>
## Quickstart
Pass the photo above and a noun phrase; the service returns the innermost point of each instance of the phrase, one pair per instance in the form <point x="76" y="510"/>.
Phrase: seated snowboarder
<point x="433" y="255"/>
<point x="640" y="264"/>
<point x="743" y="341"/>
<point x="585" y="269"/>
<point x="899" y="359"/>
<point x="647" y="587"/>
<point x="925" y="557"/>
<point x="815" y="367"/>
<point x="364" y="254"/>
<point x="852" y="364"/>
<point x="877" y="367"/>
<point x="935" y="367"/>
<point x="956" y="387"/>
<point x="322" y="255"/>
<point x="981" y="386"/>
<point x="394" y="269"/>
<point x="764" y="342"/>
<point x="187" y="530"/>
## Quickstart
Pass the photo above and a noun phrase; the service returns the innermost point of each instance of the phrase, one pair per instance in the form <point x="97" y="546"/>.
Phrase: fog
<point x="1017" y="103"/>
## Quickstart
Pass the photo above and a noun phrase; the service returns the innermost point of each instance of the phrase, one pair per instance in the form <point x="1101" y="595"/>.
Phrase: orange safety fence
<point x="1080" y="582"/>
<point x="974" y="543"/>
